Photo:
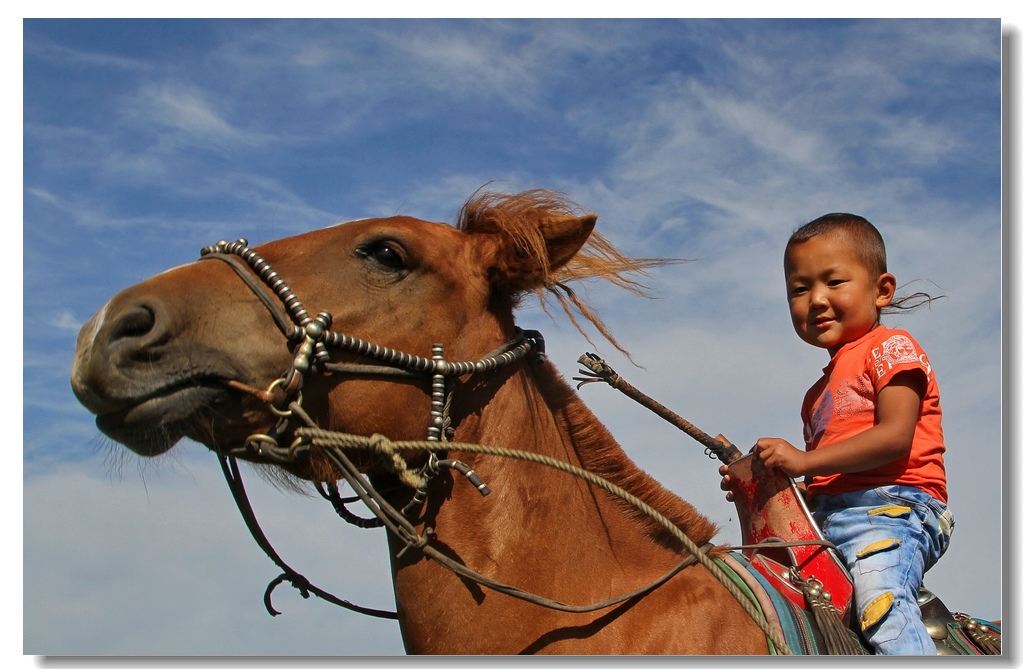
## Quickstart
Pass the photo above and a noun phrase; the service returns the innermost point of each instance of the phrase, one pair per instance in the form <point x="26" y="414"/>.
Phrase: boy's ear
<point x="885" y="290"/>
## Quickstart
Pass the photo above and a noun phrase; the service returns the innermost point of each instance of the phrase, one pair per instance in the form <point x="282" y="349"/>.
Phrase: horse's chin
<point x="154" y="425"/>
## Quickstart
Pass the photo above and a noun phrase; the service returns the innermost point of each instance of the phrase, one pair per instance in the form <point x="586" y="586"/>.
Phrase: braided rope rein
<point x="336" y="441"/>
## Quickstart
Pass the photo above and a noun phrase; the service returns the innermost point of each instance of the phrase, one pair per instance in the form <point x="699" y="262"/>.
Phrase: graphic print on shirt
<point x="853" y="396"/>
<point x="897" y="350"/>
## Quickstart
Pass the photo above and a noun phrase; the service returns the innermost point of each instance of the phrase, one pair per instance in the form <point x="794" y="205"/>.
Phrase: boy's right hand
<point x="774" y="452"/>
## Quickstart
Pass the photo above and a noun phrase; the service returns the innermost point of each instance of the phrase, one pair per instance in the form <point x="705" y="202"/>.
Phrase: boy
<point x="872" y="428"/>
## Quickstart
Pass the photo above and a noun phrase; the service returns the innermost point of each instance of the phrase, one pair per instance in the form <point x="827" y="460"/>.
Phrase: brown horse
<point x="199" y="352"/>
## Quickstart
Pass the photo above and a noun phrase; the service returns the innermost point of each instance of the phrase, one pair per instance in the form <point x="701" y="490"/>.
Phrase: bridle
<point x="309" y="339"/>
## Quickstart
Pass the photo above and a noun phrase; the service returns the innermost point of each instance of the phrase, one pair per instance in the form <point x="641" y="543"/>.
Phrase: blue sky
<point x="704" y="139"/>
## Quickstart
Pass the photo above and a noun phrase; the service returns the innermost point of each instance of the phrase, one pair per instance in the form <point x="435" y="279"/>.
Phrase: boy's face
<point x="833" y="299"/>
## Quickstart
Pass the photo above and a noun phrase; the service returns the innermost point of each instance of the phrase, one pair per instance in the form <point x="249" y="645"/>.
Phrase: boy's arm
<point x="891" y="438"/>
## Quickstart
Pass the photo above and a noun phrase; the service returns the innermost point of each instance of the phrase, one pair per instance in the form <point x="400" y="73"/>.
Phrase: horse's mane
<point x="601" y="454"/>
<point x="519" y="217"/>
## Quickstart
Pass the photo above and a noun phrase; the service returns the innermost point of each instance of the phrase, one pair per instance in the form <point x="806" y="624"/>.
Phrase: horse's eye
<point x="389" y="254"/>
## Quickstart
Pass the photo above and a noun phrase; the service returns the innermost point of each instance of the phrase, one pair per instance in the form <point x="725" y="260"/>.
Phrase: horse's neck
<point x="535" y="410"/>
<point x="600" y="453"/>
<point x="540" y="529"/>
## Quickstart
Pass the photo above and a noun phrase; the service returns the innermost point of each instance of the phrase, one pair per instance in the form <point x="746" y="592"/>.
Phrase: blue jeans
<point x="888" y="536"/>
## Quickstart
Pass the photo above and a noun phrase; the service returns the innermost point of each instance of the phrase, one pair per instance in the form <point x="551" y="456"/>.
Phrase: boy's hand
<point x="781" y="454"/>
<point x="726" y="483"/>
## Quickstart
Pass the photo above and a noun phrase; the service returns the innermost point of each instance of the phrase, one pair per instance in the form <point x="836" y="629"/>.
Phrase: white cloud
<point x="68" y="322"/>
<point x="184" y="108"/>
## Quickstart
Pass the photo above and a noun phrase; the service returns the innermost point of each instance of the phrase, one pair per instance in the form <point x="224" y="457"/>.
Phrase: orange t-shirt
<point x="843" y="402"/>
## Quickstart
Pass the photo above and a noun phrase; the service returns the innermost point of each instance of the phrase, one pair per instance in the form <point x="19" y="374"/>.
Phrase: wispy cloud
<point x="52" y="51"/>
<point x="183" y="108"/>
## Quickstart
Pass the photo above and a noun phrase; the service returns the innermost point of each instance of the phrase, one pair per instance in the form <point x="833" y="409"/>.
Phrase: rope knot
<point x="381" y="444"/>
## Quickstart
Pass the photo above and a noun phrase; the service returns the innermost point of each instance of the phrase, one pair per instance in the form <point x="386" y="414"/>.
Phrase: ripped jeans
<point x="888" y="536"/>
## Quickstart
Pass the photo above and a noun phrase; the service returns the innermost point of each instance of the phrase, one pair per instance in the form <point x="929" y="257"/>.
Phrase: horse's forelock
<point x="519" y="219"/>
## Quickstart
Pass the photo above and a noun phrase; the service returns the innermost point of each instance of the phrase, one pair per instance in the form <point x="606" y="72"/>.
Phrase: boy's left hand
<point x="726" y="483"/>
<point x="779" y="453"/>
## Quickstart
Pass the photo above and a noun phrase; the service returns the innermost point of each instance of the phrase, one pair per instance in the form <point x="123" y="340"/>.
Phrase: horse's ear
<point x="565" y="237"/>
<point x="521" y="263"/>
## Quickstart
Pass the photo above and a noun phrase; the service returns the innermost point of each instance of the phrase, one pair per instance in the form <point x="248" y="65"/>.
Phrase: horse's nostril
<point x="133" y="323"/>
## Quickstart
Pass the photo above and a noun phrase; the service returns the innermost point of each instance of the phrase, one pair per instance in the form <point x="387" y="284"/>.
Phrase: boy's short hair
<point x="867" y="240"/>
<point x="869" y="247"/>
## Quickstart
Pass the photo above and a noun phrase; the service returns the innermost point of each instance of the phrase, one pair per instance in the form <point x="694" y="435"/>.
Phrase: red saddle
<point x="772" y="510"/>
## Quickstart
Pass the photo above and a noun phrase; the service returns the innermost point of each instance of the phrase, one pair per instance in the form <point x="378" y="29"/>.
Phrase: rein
<point x="309" y="338"/>
<point x="333" y="445"/>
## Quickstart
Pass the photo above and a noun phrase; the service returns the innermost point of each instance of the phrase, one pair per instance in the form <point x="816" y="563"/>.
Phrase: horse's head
<point x="186" y="353"/>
